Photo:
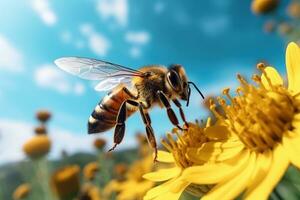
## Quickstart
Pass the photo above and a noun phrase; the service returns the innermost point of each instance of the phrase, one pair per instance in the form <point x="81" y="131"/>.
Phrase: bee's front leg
<point x="170" y="111"/>
<point x="178" y="104"/>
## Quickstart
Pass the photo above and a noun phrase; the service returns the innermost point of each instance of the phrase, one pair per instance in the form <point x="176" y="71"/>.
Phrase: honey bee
<point x="130" y="91"/>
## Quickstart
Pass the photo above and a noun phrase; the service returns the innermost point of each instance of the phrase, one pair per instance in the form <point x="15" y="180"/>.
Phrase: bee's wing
<point x="111" y="83"/>
<point x="93" y="69"/>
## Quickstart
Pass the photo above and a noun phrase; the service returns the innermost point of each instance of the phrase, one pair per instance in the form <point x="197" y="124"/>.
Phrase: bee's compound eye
<point x="174" y="80"/>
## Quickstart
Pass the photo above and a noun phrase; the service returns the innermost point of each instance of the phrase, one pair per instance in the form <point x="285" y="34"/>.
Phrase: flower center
<point x="193" y="137"/>
<point x="260" y="114"/>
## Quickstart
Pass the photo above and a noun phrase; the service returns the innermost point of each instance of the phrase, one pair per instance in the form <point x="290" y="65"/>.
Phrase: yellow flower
<point x="182" y="156"/>
<point x="143" y="144"/>
<point x="264" y="6"/>
<point x="266" y="119"/>
<point x="40" y="130"/>
<point x="112" y="186"/>
<point x="43" y="116"/>
<point x="99" y="143"/>
<point x="38" y="146"/>
<point x="133" y="186"/>
<point x="120" y="170"/>
<point x="22" y="191"/>
<point x="269" y="26"/>
<point x="65" y="182"/>
<point x="285" y="28"/>
<point x="90" y="170"/>
<point x="293" y="9"/>
<point x="90" y="191"/>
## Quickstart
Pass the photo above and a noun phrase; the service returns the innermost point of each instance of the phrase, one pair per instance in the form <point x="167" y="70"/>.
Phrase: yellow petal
<point x="214" y="173"/>
<point x="297" y="116"/>
<point x="159" y="190"/>
<point x="130" y="190"/>
<point x="274" y="77"/>
<point x="296" y="124"/>
<point x="173" y="195"/>
<point x="166" y="157"/>
<point x="233" y="187"/>
<point x="215" y="151"/>
<point x="291" y="145"/>
<point x="279" y="165"/>
<point x="163" y="174"/>
<point x="293" y="67"/>
<point x="263" y="164"/>
<point x="135" y="190"/>
<point x="177" y="187"/>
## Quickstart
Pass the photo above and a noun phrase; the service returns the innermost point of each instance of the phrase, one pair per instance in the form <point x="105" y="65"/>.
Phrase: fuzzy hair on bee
<point x="148" y="86"/>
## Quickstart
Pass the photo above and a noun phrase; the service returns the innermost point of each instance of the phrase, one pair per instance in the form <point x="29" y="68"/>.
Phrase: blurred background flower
<point x="22" y="191"/>
<point x="65" y="182"/>
<point x="280" y="17"/>
<point x="37" y="146"/>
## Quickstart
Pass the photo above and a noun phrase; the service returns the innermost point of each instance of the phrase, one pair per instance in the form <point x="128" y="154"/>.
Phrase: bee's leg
<point x="178" y="104"/>
<point x="149" y="129"/>
<point x="120" y="126"/>
<point x="170" y="111"/>
<point x="127" y="91"/>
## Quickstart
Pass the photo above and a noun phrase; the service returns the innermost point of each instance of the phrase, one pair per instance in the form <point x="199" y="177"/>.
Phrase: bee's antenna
<point x="189" y="94"/>
<point x="196" y="89"/>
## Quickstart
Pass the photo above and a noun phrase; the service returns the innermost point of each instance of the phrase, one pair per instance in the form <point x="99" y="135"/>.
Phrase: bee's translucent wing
<point x="93" y="69"/>
<point x="111" y="83"/>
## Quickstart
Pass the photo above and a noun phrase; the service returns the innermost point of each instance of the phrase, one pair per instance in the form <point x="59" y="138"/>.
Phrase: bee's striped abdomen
<point x="105" y="114"/>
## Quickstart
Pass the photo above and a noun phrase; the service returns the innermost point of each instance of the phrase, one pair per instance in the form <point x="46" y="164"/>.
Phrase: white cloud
<point x="214" y="25"/>
<point x="45" y="12"/>
<point x="68" y="38"/>
<point x="79" y="88"/>
<point x="13" y="134"/>
<point x="135" y="52"/>
<point x="11" y="144"/>
<point x="86" y="29"/>
<point x="97" y="42"/>
<point x="11" y="59"/>
<point x="115" y="9"/>
<point x="49" y="76"/>
<point x="137" y="37"/>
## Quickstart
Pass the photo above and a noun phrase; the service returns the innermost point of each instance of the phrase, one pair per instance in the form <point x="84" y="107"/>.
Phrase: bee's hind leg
<point x="178" y="104"/>
<point x="120" y="126"/>
<point x="170" y="111"/>
<point x="149" y="130"/>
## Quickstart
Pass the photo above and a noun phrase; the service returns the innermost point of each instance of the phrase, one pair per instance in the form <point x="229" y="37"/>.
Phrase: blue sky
<point x="213" y="40"/>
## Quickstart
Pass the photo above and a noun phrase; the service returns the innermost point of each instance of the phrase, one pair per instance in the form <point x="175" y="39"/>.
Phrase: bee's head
<point x="179" y="84"/>
<point x="177" y="80"/>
